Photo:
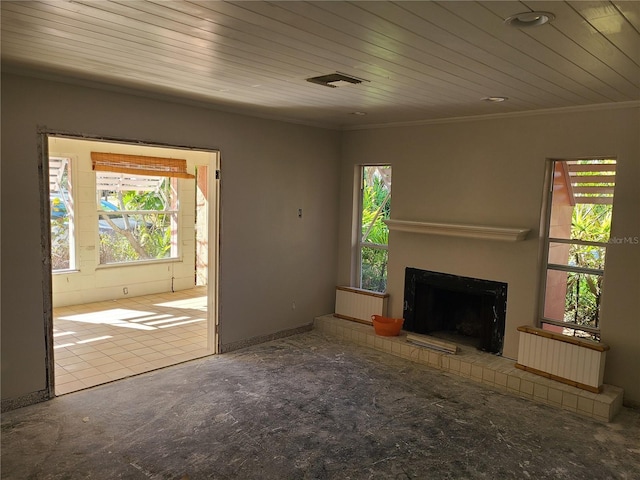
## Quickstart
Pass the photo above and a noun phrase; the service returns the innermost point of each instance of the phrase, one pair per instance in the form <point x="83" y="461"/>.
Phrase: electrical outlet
<point x="125" y="290"/>
<point x="293" y="306"/>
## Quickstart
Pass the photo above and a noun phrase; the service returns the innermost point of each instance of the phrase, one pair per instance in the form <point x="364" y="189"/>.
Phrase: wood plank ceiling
<point x="420" y="60"/>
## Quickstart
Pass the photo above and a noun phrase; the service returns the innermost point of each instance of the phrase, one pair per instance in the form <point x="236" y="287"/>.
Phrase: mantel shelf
<point x="457" y="230"/>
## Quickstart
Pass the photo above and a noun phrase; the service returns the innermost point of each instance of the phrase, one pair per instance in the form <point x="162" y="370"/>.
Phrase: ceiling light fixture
<point x="529" y="19"/>
<point x="495" y="99"/>
<point x="359" y="113"/>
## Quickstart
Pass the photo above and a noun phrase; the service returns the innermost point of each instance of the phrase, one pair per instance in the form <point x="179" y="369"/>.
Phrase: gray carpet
<point x="306" y="407"/>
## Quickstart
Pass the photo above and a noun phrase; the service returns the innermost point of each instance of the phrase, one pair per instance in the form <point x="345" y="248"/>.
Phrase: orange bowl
<point x="387" y="327"/>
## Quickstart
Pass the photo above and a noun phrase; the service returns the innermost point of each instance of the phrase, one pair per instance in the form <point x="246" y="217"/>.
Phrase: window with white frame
<point x="137" y="217"/>
<point x="579" y="215"/>
<point x="373" y="233"/>
<point x="61" y="215"/>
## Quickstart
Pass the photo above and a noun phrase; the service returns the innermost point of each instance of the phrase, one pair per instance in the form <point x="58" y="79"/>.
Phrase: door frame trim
<point x="213" y="306"/>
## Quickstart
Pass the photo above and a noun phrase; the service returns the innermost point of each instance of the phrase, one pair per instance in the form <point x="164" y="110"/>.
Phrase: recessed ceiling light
<point x="495" y="99"/>
<point x="529" y="19"/>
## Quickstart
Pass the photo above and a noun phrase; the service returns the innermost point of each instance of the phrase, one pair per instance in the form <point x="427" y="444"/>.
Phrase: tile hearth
<point x="496" y="372"/>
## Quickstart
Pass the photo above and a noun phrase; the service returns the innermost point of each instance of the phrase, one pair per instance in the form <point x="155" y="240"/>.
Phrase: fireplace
<point x="464" y="310"/>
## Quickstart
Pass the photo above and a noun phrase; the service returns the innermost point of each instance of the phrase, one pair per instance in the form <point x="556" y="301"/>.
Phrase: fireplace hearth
<point x="461" y="309"/>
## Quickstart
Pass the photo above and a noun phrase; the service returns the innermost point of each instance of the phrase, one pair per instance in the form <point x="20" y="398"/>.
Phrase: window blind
<point x="140" y="165"/>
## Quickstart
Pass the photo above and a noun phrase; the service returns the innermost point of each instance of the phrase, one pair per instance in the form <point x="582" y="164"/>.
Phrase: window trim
<point x="541" y="319"/>
<point x="176" y="245"/>
<point x="72" y="172"/>
<point x="358" y="243"/>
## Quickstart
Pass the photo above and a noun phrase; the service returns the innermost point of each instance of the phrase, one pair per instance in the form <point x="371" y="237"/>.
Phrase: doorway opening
<point x="132" y="258"/>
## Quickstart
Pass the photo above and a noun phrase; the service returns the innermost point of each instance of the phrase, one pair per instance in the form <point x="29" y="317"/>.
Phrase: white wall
<point x="491" y="172"/>
<point x="92" y="282"/>
<point x="269" y="258"/>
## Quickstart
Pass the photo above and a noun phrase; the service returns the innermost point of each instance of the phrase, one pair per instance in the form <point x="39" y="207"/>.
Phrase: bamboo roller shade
<point x="140" y="165"/>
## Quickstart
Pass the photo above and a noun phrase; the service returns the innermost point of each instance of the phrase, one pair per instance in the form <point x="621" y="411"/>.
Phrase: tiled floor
<point x="100" y="342"/>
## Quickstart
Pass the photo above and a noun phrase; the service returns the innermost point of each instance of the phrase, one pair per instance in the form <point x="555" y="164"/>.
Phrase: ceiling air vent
<point x="334" y="80"/>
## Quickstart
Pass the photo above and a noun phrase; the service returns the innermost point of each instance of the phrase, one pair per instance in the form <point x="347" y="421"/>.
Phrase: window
<point x="375" y="205"/>
<point x="62" y="214"/>
<point x="137" y="217"/>
<point x="579" y="222"/>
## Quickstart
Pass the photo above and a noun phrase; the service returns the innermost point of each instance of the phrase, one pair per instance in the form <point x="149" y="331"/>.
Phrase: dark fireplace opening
<point x="463" y="310"/>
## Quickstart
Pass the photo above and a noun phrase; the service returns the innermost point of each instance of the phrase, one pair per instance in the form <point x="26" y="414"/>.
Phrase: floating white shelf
<point x="458" y="230"/>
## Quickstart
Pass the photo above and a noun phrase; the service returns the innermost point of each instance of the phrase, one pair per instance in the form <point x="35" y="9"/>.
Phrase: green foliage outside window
<point x="60" y="254"/>
<point x="590" y="222"/>
<point x="376" y="205"/>
<point x="60" y="215"/>
<point x="127" y="237"/>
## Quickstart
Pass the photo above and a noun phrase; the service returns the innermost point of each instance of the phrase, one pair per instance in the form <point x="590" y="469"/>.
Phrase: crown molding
<point x="497" y="116"/>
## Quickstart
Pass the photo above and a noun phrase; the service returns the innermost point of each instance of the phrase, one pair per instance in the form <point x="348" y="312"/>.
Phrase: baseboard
<point x="229" y="347"/>
<point x="23" y="400"/>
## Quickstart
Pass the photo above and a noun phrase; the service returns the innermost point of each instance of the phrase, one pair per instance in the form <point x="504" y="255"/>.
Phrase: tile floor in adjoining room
<point x="100" y="342"/>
